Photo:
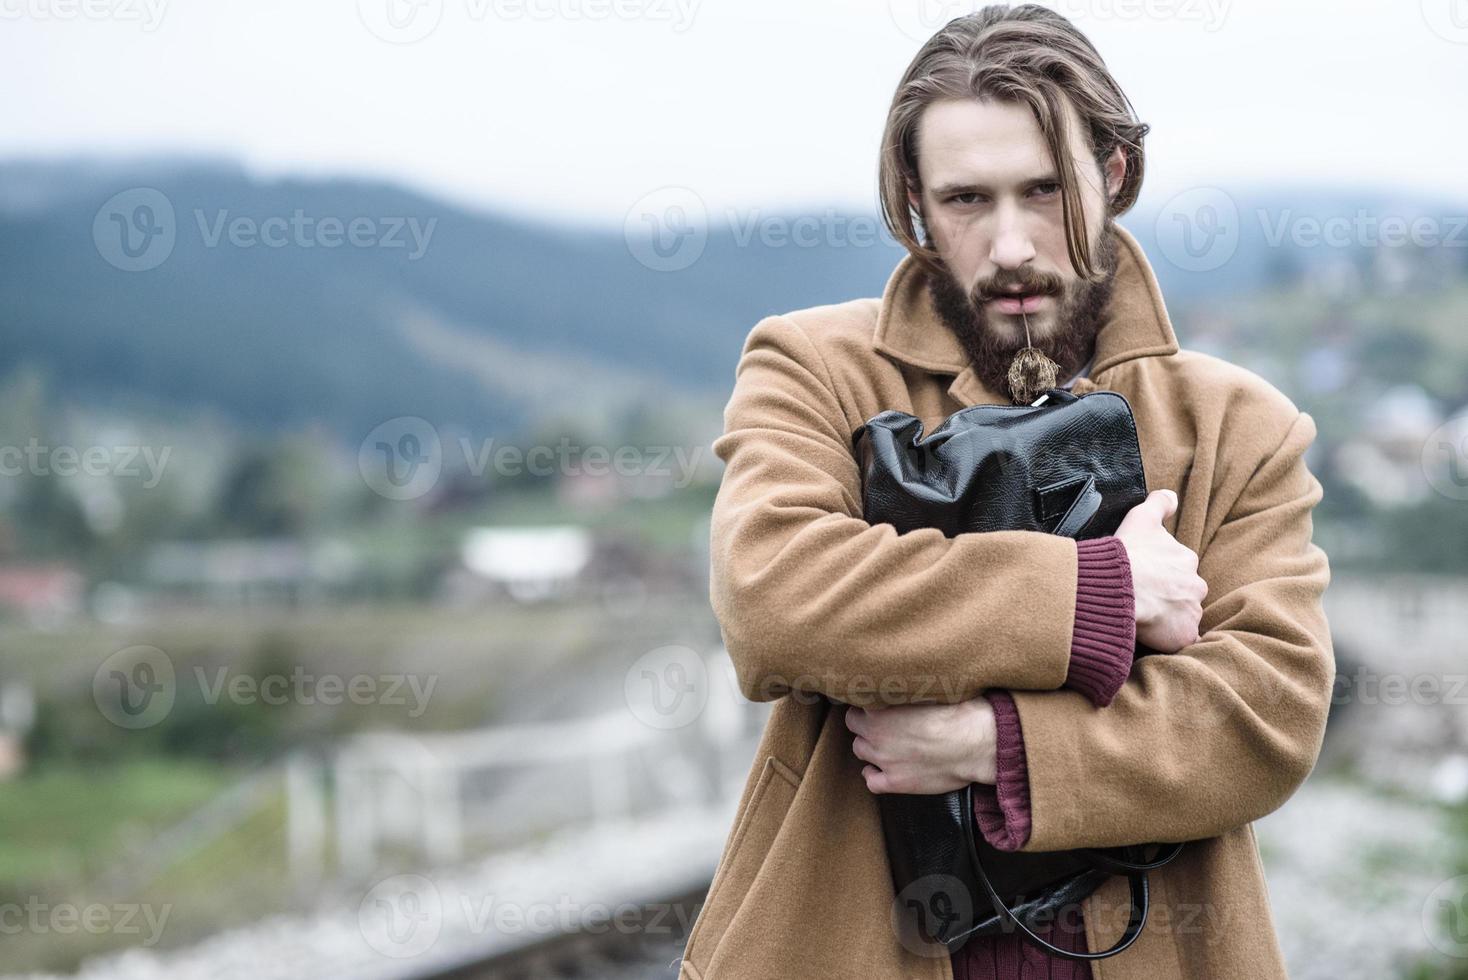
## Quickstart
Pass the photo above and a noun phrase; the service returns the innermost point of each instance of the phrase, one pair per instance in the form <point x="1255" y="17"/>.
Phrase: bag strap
<point x="1108" y="861"/>
<point x="1136" y="879"/>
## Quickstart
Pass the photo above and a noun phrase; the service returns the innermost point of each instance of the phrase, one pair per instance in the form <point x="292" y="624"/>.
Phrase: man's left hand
<point x="924" y="748"/>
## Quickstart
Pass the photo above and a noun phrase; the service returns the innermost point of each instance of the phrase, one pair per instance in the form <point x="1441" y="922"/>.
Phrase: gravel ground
<point x="1350" y="875"/>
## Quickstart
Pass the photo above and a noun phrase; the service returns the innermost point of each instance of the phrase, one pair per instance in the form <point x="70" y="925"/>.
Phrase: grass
<point x="72" y="822"/>
<point x="67" y="825"/>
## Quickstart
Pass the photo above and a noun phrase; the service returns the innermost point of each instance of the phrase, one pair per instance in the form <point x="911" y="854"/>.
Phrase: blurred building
<point x="271" y="571"/>
<point x="528" y="563"/>
<point x="42" y="594"/>
<point x="1384" y="460"/>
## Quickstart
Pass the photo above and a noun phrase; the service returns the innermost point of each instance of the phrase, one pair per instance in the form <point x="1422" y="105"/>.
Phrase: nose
<point x="1011" y="246"/>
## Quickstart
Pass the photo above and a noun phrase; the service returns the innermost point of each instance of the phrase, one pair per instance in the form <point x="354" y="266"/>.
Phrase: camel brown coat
<point x="817" y="606"/>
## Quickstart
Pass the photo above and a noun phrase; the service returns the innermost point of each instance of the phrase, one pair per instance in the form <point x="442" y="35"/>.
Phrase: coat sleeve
<point x="1220" y="733"/>
<point x="811" y="598"/>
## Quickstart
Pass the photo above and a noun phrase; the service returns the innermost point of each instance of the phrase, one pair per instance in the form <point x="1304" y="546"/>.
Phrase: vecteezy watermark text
<point x="138" y="686"/>
<point x="304" y="688"/>
<point x="137" y="230"/>
<point x="146" y="13"/>
<point x="410" y="21"/>
<point x="402" y="459"/>
<point x="306" y="231"/>
<point x="38" y="459"/>
<point x="402" y="916"/>
<point x="95" y="918"/>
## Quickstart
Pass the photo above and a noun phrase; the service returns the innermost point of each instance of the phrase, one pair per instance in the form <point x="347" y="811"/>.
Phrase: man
<point x="919" y="664"/>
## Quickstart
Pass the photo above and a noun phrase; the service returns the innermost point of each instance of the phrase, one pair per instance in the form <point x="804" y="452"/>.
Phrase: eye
<point x="966" y="198"/>
<point x="1046" y="189"/>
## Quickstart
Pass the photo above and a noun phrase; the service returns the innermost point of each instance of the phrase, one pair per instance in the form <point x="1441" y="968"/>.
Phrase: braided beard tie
<point x="1031" y="372"/>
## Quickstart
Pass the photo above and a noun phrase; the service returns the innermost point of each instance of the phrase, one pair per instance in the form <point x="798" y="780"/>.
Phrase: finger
<point x="1161" y="504"/>
<point x="855" y="719"/>
<point x="877" y="781"/>
<point x="875" y="722"/>
<point x="863" y="749"/>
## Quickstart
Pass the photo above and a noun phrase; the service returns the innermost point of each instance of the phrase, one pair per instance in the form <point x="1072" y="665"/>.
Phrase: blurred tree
<point x="278" y="489"/>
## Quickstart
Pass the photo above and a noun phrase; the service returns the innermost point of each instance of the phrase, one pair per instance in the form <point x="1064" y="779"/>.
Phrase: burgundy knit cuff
<point x="1105" y="634"/>
<point x="1003" y="810"/>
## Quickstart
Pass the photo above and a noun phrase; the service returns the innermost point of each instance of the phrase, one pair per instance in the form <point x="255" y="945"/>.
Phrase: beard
<point x="992" y="339"/>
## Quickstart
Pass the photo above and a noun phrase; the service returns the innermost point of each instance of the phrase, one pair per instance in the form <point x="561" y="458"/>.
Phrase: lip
<point x="1026" y="304"/>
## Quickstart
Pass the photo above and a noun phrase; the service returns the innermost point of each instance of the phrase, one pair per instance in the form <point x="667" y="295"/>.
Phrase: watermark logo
<point x="679" y="13"/>
<point x="138" y="687"/>
<point x="135" y="230"/>
<point x="402" y="458"/>
<point x="409" y="21"/>
<point x="565" y="915"/>
<point x="1362" y="229"/>
<point x="135" y="687"/>
<point x="1198" y="230"/>
<point x="929" y="912"/>
<point x="1445" y="458"/>
<point x="1445" y="917"/>
<point x="401" y="916"/>
<point x="830" y="229"/>
<point x="1448" y="19"/>
<point x="400" y="21"/>
<point x="667" y="230"/>
<point x="302" y="230"/>
<point x="1367" y="687"/>
<point x="1209" y="13"/>
<point x="667" y="688"/>
<point x="921" y="19"/>
<point x="300" y="687"/>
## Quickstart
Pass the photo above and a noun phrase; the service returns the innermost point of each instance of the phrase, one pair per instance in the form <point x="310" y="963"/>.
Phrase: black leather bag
<point x="1067" y="465"/>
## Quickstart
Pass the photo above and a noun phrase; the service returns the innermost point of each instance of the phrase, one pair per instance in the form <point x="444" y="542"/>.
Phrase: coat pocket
<point x="754" y="832"/>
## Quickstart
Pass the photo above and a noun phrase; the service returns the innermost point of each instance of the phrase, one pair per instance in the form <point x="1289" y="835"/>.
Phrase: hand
<point x="924" y="748"/>
<point x="1167" y="591"/>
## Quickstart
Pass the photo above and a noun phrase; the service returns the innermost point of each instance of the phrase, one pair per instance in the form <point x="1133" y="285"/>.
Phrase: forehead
<point x="985" y="140"/>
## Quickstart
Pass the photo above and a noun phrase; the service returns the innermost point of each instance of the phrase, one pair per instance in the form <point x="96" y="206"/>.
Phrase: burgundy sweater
<point x="1102" y="645"/>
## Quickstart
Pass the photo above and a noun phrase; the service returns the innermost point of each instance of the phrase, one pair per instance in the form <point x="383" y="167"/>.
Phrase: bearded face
<point x="989" y="318"/>
<point x="993" y="210"/>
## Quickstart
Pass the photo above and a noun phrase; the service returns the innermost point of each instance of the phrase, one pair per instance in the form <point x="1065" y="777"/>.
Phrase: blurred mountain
<point x="497" y="322"/>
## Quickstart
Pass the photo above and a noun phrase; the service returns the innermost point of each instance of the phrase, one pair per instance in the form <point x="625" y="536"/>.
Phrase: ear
<point x="1115" y="172"/>
<point x="915" y="198"/>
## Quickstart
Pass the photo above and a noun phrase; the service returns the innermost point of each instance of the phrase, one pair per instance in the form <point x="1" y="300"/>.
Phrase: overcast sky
<point x="577" y="108"/>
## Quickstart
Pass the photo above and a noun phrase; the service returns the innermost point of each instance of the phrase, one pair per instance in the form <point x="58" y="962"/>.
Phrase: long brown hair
<point x="1026" y="54"/>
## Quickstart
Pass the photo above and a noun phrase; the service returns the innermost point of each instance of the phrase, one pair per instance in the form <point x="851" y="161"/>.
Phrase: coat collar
<point x="1135" y="325"/>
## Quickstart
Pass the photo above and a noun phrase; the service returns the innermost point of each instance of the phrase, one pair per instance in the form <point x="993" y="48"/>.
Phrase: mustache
<point x="1006" y="282"/>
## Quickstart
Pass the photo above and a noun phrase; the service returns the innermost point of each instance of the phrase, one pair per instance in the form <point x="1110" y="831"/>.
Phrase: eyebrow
<point x="965" y="187"/>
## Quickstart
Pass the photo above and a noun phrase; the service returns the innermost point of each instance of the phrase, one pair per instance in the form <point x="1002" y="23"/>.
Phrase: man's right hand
<point x="1166" y="589"/>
